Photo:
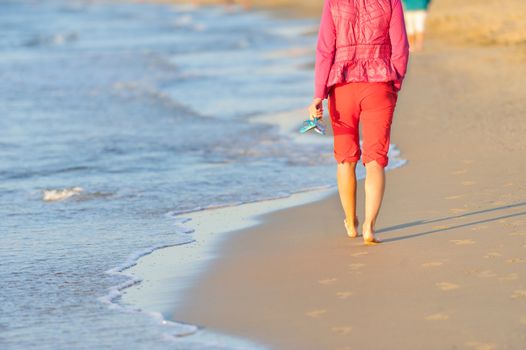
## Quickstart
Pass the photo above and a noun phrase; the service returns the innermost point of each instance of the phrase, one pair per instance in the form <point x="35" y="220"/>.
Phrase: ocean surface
<point x="116" y="117"/>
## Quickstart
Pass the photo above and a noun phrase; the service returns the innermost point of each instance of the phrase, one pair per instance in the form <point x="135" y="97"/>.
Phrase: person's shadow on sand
<point x="453" y="227"/>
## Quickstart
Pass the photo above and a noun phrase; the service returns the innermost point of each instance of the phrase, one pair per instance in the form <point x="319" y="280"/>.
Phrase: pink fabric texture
<point x="360" y="41"/>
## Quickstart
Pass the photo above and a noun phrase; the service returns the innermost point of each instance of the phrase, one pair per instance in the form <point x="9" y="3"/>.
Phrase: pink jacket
<point x="360" y="41"/>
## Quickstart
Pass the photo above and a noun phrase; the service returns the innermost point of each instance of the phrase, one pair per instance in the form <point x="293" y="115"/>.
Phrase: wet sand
<point x="451" y="271"/>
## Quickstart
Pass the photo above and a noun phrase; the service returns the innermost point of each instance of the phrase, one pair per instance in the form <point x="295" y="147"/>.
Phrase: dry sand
<point x="452" y="271"/>
<point x="483" y="22"/>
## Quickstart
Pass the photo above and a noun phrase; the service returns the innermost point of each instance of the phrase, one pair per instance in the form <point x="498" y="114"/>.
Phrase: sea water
<point x="115" y="117"/>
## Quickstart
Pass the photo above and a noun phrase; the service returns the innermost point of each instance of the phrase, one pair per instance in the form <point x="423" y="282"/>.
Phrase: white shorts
<point x="415" y="21"/>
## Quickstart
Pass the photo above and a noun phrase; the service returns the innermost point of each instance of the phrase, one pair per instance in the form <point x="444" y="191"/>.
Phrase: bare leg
<point x="347" y="188"/>
<point x="412" y="40"/>
<point x="374" y="193"/>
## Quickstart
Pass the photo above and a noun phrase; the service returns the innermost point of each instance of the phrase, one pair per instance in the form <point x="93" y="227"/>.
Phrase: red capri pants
<point x="372" y="105"/>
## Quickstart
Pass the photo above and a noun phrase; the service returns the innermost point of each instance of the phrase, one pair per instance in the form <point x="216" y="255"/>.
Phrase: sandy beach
<point x="451" y="271"/>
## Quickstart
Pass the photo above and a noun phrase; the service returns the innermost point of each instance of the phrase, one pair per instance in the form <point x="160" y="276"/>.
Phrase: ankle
<point x="368" y="226"/>
<point x="352" y="221"/>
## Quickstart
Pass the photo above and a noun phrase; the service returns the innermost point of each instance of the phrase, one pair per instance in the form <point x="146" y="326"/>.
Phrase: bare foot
<point x="368" y="235"/>
<point x="352" y="231"/>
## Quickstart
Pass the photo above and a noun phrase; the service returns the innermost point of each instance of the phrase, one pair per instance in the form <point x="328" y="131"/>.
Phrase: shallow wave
<point x="57" y="39"/>
<point x="175" y="329"/>
<point x="172" y="331"/>
<point x="60" y="194"/>
<point x="78" y="193"/>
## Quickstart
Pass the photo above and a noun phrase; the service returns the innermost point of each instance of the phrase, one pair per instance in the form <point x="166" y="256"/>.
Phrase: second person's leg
<point x="410" y="28"/>
<point x="420" y="25"/>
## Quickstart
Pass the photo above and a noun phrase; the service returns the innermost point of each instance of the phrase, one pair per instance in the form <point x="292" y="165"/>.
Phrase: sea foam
<point x="60" y="194"/>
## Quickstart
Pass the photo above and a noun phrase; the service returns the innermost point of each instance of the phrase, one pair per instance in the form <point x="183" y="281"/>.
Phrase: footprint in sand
<point x="454" y="197"/>
<point x="457" y="210"/>
<point x="510" y="277"/>
<point x="437" y="317"/>
<point x="342" y="330"/>
<point x="359" y="254"/>
<point x="316" y="313"/>
<point x="519" y="294"/>
<point x="516" y="260"/>
<point x="481" y="346"/>
<point x="486" y="274"/>
<point x="432" y="264"/>
<point x="510" y="224"/>
<point x="327" y="281"/>
<point x="462" y="241"/>
<point x="344" y="295"/>
<point x="356" y="266"/>
<point x="445" y="286"/>
<point x="480" y="273"/>
<point x="459" y="172"/>
<point x="468" y="183"/>
<point x="492" y="255"/>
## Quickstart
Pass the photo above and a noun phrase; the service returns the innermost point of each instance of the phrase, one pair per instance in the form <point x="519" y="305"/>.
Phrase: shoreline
<point x="279" y="8"/>
<point x="210" y="228"/>
<point x="146" y="289"/>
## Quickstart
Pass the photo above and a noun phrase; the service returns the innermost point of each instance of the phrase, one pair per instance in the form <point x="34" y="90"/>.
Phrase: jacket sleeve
<point x="399" y="44"/>
<point x="325" y="50"/>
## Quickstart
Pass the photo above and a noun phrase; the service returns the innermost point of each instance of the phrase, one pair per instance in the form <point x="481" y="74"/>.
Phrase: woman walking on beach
<point x="361" y="60"/>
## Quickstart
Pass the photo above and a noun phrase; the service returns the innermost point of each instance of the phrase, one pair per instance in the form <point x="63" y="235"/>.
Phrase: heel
<point x="349" y="232"/>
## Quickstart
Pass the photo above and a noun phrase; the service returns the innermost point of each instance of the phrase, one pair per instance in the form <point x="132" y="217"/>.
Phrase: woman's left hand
<point x="316" y="108"/>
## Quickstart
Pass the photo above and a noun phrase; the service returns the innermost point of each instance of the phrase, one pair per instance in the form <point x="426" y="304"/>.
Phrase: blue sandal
<point x="315" y="124"/>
